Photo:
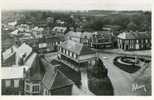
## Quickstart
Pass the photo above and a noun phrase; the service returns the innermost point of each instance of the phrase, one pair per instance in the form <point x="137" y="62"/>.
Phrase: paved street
<point x="121" y="81"/>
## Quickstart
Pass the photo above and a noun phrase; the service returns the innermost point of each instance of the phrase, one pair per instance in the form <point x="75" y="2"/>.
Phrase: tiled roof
<point x="76" y="47"/>
<point x="51" y="39"/>
<point x="9" y="52"/>
<point x="70" y="73"/>
<point x="24" y="49"/>
<point x="55" y="79"/>
<point x="36" y="71"/>
<point x="134" y="35"/>
<point x="61" y="81"/>
<point x="31" y="60"/>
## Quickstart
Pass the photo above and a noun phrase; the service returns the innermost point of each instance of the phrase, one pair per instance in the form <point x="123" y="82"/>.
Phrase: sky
<point x="76" y="4"/>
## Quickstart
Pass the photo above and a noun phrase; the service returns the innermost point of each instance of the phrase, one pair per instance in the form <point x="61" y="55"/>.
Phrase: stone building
<point x="75" y="55"/>
<point x="102" y="39"/>
<point x="12" y="80"/>
<point x="81" y="37"/>
<point x="134" y="40"/>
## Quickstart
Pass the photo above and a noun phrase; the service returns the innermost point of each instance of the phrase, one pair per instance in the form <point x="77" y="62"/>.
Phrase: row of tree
<point x="138" y="21"/>
<point x="134" y="22"/>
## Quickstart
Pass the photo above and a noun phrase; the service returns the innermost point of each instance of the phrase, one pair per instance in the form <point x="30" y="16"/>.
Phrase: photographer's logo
<point x="136" y="87"/>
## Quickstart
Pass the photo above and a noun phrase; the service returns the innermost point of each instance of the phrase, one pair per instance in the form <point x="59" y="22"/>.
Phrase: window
<point x="74" y="55"/>
<point x="16" y="83"/>
<point x="42" y="45"/>
<point x="70" y="54"/>
<point x="67" y="52"/>
<point x="35" y="88"/>
<point x="7" y="83"/>
<point x="27" y="87"/>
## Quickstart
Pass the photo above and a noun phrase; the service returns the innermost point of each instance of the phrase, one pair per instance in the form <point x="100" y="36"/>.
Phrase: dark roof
<point x="134" y="35"/>
<point x="56" y="38"/>
<point x="70" y="73"/>
<point x="36" y="72"/>
<point x="76" y="47"/>
<point x="49" y="77"/>
<point x="54" y="62"/>
<point x="61" y="81"/>
<point x="53" y="39"/>
<point x="54" y="79"/>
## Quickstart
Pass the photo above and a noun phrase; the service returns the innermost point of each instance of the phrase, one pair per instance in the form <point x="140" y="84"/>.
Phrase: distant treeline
<point x="95" y="20"/>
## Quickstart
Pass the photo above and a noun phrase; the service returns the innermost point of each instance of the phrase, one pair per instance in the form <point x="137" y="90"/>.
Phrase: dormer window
<point x="75" y="55"/>
<point x="66" y="52"/>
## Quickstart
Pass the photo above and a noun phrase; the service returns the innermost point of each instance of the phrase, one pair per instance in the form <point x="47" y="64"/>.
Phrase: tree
<point x="131" y="26"/>
<point x="98" y="81"/>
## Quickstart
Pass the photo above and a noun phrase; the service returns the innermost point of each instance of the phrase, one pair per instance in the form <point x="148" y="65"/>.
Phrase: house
<point x="11" y="25"/>
<point x="81" y="37"/>
<point x="25" y="63"/>
<point x="23" y="28"/>
<point x="8" y="56"/>
<point x="48" y="44"/>
<point x="23" y="53"/>
<point x="33" y="76"/>
<point x="14" y="33"/>
<point x="16" y="56"/>
<point x="102" y="39"/>
<point x="57" y="30"/>
<point x="56" y="83"/>
<point x="60" y="22"/>
<point x="12" y="80"/>
<point x="37" y="32"/>
<point x="134" y="41"/>
<point x="75" y="55"/>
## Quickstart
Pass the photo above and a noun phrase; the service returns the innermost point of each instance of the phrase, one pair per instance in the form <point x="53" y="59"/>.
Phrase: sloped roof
<point x="24" y="49"/>
<point x="53" y="39"/>
<point x="36" y="71"/>
<point x="134" y="35"/>
<point x="55" y="79"/>
<point x="70" y="73"/>
<point x="60" y="38"/>
<point x="31" y="60"/>
<point x="9" y="52"/>
<point x="61" y="81"/>
<point x="76" y="47"/>
<point x="15" y="32"/>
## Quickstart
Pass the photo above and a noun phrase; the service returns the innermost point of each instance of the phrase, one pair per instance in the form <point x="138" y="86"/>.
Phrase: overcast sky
<point x="77" y="4"/>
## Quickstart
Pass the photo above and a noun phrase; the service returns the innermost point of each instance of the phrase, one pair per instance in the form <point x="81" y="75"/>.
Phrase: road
<point x="122" y="81"/>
